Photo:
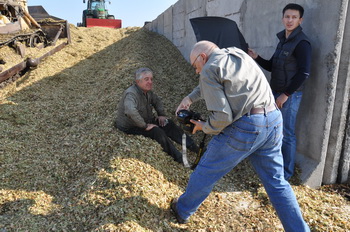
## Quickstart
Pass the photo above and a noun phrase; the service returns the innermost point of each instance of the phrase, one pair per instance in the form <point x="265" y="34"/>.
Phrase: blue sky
<point x="131" y="12"/>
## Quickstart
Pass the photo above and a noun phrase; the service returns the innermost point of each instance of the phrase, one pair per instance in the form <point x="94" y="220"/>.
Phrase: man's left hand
<point x="162" y="120"/>
<point x="281" y="100"/>
<point x="198" y="125"/>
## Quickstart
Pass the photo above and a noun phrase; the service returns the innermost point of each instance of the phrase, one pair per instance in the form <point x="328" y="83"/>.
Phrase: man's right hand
<point x="252" y="53"/>
<point x="150" y="126"/>
<point x="184" y="105"/>
<point x="198" y="125"/>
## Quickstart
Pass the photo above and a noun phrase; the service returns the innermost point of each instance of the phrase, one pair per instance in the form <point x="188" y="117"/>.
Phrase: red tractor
<point x="96" y="15"/>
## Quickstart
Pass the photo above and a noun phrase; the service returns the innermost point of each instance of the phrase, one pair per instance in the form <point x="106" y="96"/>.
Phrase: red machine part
<point x="110" y="23"/>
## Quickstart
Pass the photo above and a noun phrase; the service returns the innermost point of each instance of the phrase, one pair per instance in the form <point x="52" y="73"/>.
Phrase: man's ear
<point x="205" y="57"/>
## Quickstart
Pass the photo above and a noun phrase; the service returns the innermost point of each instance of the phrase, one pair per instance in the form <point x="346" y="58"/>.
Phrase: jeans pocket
<point x="278" y="134"/>
<point x="242" y="139"/>
<point x="296" y="100"/>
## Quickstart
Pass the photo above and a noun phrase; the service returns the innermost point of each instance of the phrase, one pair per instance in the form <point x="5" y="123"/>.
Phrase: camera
<point x="184" y="117"/>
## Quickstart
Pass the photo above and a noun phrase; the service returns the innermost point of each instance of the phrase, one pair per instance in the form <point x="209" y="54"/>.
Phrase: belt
<point x="263" y="110"/>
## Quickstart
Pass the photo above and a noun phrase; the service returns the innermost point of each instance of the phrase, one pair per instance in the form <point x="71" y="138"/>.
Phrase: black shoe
<point x="179" y="160"/>
<point x="173" y="208"/>
<point x="178" y="157"/>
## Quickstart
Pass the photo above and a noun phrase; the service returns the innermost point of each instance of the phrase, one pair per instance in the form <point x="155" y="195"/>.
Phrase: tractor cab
<point x="96" y="14"/>
<point x="98" y="9"/>
<point x="97" y="5"/>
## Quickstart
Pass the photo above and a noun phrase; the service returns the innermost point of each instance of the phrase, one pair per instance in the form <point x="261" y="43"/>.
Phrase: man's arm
<point x="302" y="54"/>
<point x="157" y="104"/>
<point x="159" y="107"/>
<point x="187" y="101"/>
<point x="265" y="64"/>
<point x="131" y="111"/>
<point x="217" y="104"/>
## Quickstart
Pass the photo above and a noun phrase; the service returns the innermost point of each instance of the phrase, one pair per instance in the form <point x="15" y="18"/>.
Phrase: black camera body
<point x="184" y="117"/>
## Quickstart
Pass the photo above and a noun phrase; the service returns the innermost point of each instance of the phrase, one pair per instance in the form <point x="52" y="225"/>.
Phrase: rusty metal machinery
<point x="19" y="28"/>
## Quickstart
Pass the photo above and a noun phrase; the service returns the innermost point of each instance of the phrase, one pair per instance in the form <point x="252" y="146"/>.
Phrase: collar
<point x="282" y="34"/>
<point x="139" y="90"/>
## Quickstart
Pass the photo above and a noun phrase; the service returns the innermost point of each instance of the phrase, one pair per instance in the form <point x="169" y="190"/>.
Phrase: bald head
<point x="200" y="54"/>
<point x="203" y="46"/>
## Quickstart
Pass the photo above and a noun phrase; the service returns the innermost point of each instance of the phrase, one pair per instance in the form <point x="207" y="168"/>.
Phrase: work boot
<point x="178" y="157"/>
<point x="173" y="208"/>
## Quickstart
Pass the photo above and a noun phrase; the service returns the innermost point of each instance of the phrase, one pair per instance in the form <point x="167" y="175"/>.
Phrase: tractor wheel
<point x="110" y="17"/>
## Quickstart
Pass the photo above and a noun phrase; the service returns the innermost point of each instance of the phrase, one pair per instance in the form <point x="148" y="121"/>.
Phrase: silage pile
<point x="65" y="168"/>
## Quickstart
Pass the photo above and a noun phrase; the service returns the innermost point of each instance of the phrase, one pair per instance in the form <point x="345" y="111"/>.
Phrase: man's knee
<point x="157" y="134"/>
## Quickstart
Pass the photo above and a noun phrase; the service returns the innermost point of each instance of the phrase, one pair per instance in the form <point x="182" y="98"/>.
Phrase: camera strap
<point x="200" y="153"/>
<point x="184" y="151"/>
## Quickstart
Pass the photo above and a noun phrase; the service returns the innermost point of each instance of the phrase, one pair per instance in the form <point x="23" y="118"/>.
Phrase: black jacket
<point x="284" y="64"/>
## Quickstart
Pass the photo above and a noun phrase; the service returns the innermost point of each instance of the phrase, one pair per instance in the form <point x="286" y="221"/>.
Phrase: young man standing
<point x="289" y="66"/>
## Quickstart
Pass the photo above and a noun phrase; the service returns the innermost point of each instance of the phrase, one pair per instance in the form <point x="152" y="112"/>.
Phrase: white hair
<point x="139" y="73"/>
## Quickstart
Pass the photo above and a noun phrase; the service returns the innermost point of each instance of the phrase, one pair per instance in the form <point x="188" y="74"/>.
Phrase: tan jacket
<point x="231" y="83"/>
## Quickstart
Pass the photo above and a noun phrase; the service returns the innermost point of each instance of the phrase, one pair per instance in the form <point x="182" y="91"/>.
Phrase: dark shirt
<point x="301" y="53"/>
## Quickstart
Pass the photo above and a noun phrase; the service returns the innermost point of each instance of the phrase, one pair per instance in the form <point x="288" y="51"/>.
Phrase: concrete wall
<point x="340" y="92"/>
<point x="323" y="128"/>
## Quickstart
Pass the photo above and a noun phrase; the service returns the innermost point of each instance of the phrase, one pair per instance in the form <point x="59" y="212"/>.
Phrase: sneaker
<point x="173" y="208"/>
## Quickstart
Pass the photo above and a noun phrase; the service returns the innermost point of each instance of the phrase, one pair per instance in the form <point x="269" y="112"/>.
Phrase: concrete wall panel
<point x="168" y="23"/>
<point x="227" y="9"/>
<point x="224" y="8"/>
<point x="339" y="119"/>
<point x="344" y="175"/>
<point x="194" y="9"/>
<point x="179" y="12"/>
<point x="196" y="6"/>
<point x="316" y="111"/>
<point x="160" y="24"/>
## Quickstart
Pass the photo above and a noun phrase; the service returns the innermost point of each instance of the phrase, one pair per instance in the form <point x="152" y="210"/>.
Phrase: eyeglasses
<point x="195" y="60"/>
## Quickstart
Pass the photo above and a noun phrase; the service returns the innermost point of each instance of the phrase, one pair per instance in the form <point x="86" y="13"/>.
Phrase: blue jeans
<point x="289" y="146"/>
<point x="258" y="137"/>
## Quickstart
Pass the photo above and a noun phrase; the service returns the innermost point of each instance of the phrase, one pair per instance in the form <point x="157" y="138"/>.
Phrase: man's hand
<point x="198" y="125"/>
<point x="150" y="126"/>
<point x="184" y="105"/>
<point x="162" y="120"/>
<point x="252" y="53"/>
<point x="281" y="100"/>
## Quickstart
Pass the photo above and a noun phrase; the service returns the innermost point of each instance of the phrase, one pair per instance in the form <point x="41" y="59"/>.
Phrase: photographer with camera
<point x="135" y="116"/>
<point x="245" y="123"/>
